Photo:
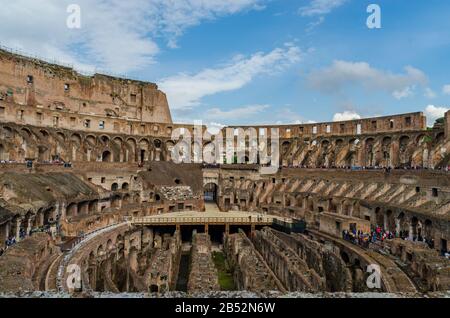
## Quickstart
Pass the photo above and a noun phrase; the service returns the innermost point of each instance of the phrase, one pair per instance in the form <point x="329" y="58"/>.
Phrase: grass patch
<point x="226" y="281"/>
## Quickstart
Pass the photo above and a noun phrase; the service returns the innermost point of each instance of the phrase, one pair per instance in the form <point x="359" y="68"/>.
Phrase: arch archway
<point x="2" y="152"/>
<point x="106" y="156"/>
<point x="210" y="192"/>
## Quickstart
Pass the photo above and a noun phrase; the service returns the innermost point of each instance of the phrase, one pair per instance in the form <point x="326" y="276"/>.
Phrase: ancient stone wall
<point x="286" y="264"/>
<point x="250" y="270"/>
<point x="23" y="267"/>
<point x="402" y="202"/>
<point x="432" y="272"/>
<point x="203" y="273"/>
<point x="385" y="124"/>
<point x="49" y="87"/>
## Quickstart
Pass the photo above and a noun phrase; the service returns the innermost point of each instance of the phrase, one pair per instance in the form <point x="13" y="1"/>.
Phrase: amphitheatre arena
<point x="92" y="203"/>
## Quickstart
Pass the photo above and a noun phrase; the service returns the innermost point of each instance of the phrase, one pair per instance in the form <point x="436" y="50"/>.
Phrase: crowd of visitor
<point x="379" y="234"/>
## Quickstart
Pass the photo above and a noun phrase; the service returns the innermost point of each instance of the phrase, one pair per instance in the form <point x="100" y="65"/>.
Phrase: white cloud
<point x="320" y="7"/>
<point x="214" y="128"/>
<point x="403" y="93"/>
<point x="429" y="93"/>
<point x="342" y="74"/>
<point x="187" y="90"/>
<point x="434" y="112"/>
<point x="346" y="115"/>
<point x="233" y="114"/>
<point x="446" y="89"/>
<point x="312" y="25"/>
<point x="116" y="35"/>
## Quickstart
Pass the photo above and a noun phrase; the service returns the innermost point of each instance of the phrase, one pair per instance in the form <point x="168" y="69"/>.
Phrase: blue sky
<point x="254" y="61"/>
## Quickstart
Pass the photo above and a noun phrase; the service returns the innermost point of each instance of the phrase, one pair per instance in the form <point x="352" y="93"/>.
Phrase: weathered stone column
<point x="397" y="225"/>
<point x="30" y="223"/>
<point x="4" y="233"/>
<point x="395" y="153"/>
<point x="410" y="234"/>
<point x="18" y="223"/>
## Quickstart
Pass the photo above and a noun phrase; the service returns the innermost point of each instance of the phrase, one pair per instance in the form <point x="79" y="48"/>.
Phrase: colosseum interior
<point x="91" y="201"/>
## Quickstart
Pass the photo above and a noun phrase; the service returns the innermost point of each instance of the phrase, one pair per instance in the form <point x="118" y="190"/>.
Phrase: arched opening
<point x="93" y="206"/>
<point x="49" y="215"/>
<point x="72" y="210"/>
<point x="390" y="222"/>
<point x="126" y="199"/>
<point x="379" y="218"/>
<point x="428" y="232"/>
<point x="43" y="154"/>
<point x="210" y="192"/>
<point x="2" y="152"/>
<point x="125" y="186"/>
<point x="415" y="228"/>
<point x="154" y="288"/>
<point x="345" y="257"/>
<point x="115" y="201"/>
<point x="106" y="156"/>
<point x="114" y="186"/>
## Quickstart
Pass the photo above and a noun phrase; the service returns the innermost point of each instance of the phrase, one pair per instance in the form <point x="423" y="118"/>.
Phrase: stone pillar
<point x="4" y="233"/>
<point x="30" y="222"/>
<point x="18" y="223"/>
<point x="395" y="151"/>
<point x="206" y="228"/>
<point x="227" y="229"/>
<point x="397" y="225"/>
<point x="93" y="278"/>
<point x="385" y="220"/>
<point x="410" y="234"/>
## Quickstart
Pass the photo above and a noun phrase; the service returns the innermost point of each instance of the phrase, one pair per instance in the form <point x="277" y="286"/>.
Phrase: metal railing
<point x="202" y="220"/>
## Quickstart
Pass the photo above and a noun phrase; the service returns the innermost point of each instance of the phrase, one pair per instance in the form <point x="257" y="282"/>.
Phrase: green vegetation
<point x="440" y="120"/>
<point x="427" y="139"/>
<point x="226" y="281"/>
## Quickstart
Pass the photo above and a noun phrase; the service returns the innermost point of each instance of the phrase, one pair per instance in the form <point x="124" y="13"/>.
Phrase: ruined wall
<point x="431" y="272"/>
<point x="400" y="201"/>
<point x="163" y="271"/>
<point x="293" y="271"/>
<point x="23" y="266"/>
<point x="203" y="273"/>
<point x="45" y="86"/>
<point x="250" y="270"/>
<point x="385" y="124"/>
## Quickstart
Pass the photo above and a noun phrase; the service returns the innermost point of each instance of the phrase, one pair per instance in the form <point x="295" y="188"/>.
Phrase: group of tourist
<point x="8" y="243"/>
<point x="379" y="234"/>
<point x="386" y="169"/>
<point x="364" y="239"/>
